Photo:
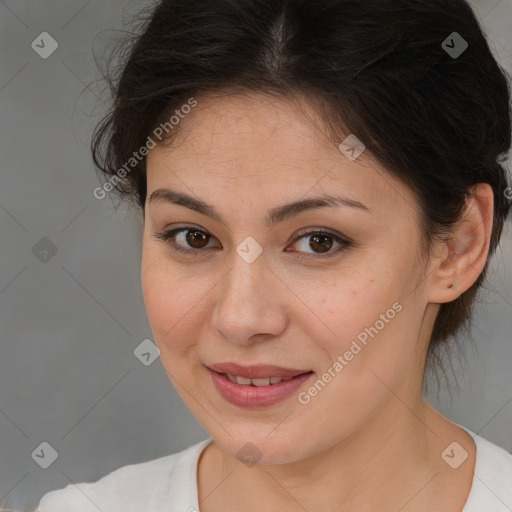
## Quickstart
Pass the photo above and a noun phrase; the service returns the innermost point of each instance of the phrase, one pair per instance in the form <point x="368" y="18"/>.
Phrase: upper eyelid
<point x="303" y="232"/>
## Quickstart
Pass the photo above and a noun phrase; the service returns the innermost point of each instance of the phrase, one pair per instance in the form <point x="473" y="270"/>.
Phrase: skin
<point x="367" y="441"/>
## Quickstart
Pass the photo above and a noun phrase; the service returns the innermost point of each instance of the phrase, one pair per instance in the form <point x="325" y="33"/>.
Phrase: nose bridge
<point x="244" y="287"/>
<point x="245" y="305"/>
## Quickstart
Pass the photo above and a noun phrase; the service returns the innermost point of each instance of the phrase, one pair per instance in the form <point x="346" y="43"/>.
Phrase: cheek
<point x="171" y="300"/>
<point x="368" y="358"/>
<point x="368" y="323"/>
<point x="351" y="306"/>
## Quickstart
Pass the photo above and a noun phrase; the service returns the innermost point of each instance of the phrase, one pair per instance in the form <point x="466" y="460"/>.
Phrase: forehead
<point x="273" y="146"/>
<point x="238" y="124"/>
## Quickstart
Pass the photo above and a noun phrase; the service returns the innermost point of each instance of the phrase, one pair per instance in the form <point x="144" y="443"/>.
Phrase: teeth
<point x="260" y="382"/>
<point x="256" y="382"/>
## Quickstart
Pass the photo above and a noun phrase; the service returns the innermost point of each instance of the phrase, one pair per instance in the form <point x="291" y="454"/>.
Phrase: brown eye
<point x="193" y="241"/>
<point x="197" y="239"/>
<point x="187" y="240"/>
<point x="320" y="243"/>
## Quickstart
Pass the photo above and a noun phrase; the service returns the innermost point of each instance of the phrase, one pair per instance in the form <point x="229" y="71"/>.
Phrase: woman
<point x="322" y="190"/>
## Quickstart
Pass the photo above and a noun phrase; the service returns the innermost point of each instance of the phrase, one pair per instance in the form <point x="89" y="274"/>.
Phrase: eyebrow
<point x="274" y="216"/>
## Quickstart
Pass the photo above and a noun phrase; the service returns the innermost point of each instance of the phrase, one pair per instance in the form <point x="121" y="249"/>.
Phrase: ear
<point x="463" y="257"/>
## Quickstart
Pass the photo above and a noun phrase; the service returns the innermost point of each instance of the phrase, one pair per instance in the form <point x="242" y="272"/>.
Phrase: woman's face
<point x="349" y="305"/>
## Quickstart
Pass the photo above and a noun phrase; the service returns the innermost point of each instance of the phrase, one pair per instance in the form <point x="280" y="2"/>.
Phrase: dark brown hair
<point x="438" y="121"/>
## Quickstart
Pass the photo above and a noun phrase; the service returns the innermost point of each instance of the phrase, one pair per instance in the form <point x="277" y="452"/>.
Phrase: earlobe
<point x="465" y="254"/>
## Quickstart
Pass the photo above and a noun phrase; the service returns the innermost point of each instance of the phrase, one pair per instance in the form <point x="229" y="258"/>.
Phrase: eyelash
<point x="167" y="237"/>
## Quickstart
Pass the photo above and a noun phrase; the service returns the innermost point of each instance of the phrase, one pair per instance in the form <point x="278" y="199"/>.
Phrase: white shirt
<point x="169" y="484"/>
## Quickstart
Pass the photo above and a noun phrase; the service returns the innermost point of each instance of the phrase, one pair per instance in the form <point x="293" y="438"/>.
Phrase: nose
<point x="249" y="303"/>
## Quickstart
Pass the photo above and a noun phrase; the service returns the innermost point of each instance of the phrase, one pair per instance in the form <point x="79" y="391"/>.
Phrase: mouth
<point x="256" y="386"/>
<point x="255" y="372"/>
<point x="244" y="381"/>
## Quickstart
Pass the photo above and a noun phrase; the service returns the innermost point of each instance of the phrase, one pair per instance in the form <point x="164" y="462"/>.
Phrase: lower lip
<point x="256" y="396"/>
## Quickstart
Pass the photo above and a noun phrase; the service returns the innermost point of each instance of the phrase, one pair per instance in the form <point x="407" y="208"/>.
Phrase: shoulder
<point x="492" y="481"/>
<point x="134" y="487"/>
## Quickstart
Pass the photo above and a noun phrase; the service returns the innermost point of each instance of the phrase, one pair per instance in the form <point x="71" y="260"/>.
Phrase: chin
<point x="258" y="449"/>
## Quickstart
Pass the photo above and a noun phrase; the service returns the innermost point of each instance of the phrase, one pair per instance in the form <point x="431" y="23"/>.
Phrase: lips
<point x="257" y="371"/>
<point x="257" y="393"/>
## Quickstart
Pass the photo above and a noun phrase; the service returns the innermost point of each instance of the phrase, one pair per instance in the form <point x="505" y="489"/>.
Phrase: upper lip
<point x="255" y="371"/>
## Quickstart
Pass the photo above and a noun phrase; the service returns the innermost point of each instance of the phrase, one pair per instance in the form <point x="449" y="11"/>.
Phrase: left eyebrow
<point x="274" y="215"/>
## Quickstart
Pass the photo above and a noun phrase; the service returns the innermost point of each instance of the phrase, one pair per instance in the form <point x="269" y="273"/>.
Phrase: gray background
<point x="70" y="325"/>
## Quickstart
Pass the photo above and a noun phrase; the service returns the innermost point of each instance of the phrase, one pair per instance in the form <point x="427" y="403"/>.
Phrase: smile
<point x="244" y="381"/>
<point x="257" y="392"/>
